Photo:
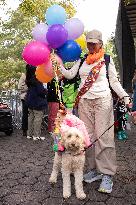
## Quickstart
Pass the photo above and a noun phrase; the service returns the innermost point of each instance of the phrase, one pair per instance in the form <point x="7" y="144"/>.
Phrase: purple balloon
<point x="74" y="27"/>
<point x="35" y="53"/>
<point x="56" y="35"/>
<point x="39" y="32"/>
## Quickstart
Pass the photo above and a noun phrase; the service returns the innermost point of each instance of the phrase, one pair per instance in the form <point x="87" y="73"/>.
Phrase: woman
<point x="95" y="107"/>
<point x="36" y="102"/>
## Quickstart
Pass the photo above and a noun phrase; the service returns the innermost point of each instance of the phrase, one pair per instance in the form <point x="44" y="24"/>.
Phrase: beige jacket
<point x="22" y="87"/>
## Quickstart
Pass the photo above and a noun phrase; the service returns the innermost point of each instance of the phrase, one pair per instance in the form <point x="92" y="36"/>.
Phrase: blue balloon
<point x="70" y="51"/>
<point x="55" y="15"/>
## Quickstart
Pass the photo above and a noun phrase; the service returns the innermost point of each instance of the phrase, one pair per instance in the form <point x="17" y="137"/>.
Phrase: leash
<point x="56" y="67"/>
<point x="93" y="143"/>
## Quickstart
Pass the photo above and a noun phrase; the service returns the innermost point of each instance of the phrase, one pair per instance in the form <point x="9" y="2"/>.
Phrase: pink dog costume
<point x="71" y="120"/>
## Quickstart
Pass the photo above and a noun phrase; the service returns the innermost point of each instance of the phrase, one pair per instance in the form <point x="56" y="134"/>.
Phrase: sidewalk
<point x="25" y="167"/>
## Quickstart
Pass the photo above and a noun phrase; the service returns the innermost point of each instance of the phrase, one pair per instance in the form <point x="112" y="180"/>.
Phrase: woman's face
<point x="93" y="47"/>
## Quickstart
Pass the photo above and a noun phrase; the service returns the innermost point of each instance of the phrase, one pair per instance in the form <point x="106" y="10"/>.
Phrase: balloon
<point x="49" y="69"/>
<point x="74" y="27"/>
<point x="39" y="32"/>
<point x="55" y="15"/>
<point x="81" y="41"/>
<point x="41" y="76"/>
<point x="35" y="53"/>
<point x="70" y="51"/>
<point x="56" y="35"/>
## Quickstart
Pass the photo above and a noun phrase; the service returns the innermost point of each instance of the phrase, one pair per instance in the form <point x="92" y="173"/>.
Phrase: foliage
<point x="128" y="1"/>
<point x="37" y="8"/>
<point x="15" y="33"/>
<point x="2" y="2"/>
<point x="110" y="48"/>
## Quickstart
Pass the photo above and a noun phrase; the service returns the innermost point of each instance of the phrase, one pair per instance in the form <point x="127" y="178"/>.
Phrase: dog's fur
<point x="70" y="161"/>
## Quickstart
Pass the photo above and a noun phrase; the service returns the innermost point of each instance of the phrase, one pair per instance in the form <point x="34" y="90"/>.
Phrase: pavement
<point x="25" y="167"/>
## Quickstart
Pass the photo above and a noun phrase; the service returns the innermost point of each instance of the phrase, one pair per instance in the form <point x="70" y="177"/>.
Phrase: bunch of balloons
<point x="64" y="36"/>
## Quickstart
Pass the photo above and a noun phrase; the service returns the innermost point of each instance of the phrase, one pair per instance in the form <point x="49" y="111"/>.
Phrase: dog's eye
<point x="69" y="136"/>
<point x="77" y="136"/>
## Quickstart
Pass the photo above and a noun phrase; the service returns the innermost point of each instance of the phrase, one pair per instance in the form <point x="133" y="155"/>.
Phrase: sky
<point x="95" y="14"/>
<point x="99" y="14"/>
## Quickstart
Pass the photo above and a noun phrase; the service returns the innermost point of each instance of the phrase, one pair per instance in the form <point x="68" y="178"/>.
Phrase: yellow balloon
<point x="81" y="41"/>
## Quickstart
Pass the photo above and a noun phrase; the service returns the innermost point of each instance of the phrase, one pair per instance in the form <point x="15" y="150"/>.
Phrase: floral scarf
<point x="92" y="77"/>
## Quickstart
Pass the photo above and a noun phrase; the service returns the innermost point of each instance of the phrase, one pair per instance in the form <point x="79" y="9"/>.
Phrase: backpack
<point x="107" y="61"/>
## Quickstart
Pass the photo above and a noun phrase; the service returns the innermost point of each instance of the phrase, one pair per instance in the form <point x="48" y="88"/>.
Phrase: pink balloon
<point x="49" y="69"/>
<point x="36" y="53"/>
<point x="48" y="66"/>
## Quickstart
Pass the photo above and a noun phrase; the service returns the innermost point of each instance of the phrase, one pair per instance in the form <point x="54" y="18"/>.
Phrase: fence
<point x="14" y="102"/>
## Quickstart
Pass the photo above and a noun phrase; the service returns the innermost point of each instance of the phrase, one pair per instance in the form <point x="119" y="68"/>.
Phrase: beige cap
<point x="94" y="36"/>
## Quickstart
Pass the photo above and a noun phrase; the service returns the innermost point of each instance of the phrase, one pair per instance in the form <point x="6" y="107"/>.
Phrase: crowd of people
<point x="84" y="88"/>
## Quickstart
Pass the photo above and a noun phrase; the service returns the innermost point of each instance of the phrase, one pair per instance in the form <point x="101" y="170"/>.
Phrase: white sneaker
<point x="36" y="138"/>
<point x="50" y="133"/>
<point x="106" y="184"/>
<point x="42" y="138"/>
<point x="92" y="176"/>
<point x="29" y="137"/>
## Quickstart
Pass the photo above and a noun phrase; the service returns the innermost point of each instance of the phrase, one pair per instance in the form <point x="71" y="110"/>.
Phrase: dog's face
<point x="73" y="140"/>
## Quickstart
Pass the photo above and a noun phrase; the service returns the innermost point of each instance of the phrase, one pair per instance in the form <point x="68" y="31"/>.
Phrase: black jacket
<point x="52" y="95"/>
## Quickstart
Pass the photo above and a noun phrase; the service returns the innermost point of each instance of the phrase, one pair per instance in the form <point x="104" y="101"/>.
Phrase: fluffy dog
<point x="70" y="161"/>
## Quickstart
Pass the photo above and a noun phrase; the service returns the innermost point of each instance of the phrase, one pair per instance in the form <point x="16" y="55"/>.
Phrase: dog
<point x="72" y="160"/>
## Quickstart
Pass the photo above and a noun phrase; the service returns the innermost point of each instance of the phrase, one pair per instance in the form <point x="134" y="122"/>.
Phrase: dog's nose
<point x="73" y="144"/>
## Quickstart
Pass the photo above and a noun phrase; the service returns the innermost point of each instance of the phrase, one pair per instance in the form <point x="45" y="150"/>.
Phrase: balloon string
<point x="55" y="68"/>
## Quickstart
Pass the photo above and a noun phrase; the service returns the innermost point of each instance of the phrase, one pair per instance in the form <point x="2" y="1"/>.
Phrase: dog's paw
<point x="52" y="180"/>
<point x="81" y="196"/>
<point x="66" y="195"/>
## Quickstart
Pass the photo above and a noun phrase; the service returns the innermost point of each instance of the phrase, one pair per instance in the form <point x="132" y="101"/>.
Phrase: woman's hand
<point x="127" y="100"/>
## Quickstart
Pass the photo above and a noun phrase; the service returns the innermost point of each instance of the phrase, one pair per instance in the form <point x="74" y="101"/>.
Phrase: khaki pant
<point x="34" y="122"/>
<point x="97" y="115"/>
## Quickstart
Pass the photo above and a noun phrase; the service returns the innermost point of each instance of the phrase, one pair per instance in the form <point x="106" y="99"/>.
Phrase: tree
<point x="37" y="8"/>
<point x="15" y="33"/>
<point x="110" y="48"/>
<point x="128" y="1"/>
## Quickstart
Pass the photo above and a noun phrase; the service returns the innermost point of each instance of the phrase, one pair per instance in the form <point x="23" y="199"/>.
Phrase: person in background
<point x="133" y="109"/>
<point x="69" y="93"/>
<point x="53" y="104"/>
<point x="23" y="91"/>
<point x="122" y="120"/>
<point x="95" y="109"/>
<point x="37" y="103"/>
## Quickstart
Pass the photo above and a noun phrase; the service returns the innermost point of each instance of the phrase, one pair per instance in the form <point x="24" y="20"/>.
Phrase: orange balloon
<point x="40" y="74"/>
